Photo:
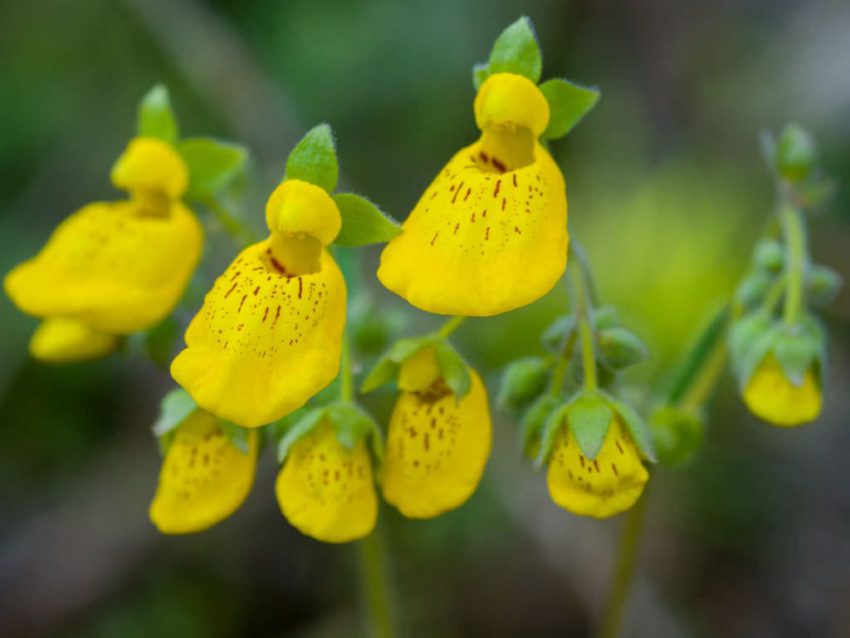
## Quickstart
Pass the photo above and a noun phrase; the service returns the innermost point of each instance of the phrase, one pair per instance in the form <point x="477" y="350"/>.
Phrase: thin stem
<point x="376" y="585"/>
<point x="232" y="225"/>
<point x="705" y="381"/>
<point x="793" y="229"/>
<point x="560" y="372"/>
<point x="584" y="263"/>
<point x="450" y="326"/>
<point x="615" y="605"/>
<point x="583" y="310"/>
<point x="346" y="381"/>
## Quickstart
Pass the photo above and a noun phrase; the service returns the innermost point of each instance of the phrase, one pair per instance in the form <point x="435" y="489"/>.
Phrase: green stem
<point x="583" y="310"/>
<point x="615" y="604"/>
<point x="584" y="263"/>
<point x="232" y="225"/>
<point x="793" y="229"/>
<point x="450" y="326"/>
<point x="376" y="585"/>
<point x="560" y="372"/>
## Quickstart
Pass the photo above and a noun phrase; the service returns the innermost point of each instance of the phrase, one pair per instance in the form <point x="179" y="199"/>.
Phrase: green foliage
<point x="351" y="424"/>
<point x="795" y="153"/>
<point x="750" y="339"/>
<point x="454" y="370"/>
<point x="212" y="164"/>
<point x="636" y="426"/>
<point x="551" y="428"/>
<point x="237" y="435"/>
<point x="620" y="348"/>
<point x="822" y="285"/>
<point x="176" y="406"/>
<point x="769" y="255"/>
<point x="306" y="424"/>
<point x="514" y="51"/>
<point x="387" y="367"/>
<point x="363" y="223"/>
<point x="479" y="74"/>
<point x="568" y="104"/>
<point x="589" y="418"/>
<point x="155" y="117"/>
<point x="753" y="288"/>
<point x="522" y="381"/>
<point x="314" y="159"/>
<point x="799" y="349"/>
<point x="533" y="422"/>
<point x="677" y="434"/>
<point x="556" y="335"/>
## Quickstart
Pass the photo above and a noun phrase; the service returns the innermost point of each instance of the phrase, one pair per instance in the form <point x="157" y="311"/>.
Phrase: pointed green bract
<point x="568" y="104"/>
<point x="534" y="420"/>
<point x="516" y="51"/>
<point x="620" y="348"/>
<point x="363" y="223"/>
<point x="454" y="370"/>
<point x="551" y="427"/>
<point x="314" y="159"/>
<point x="384" y="371"/>
<point x="212" y="165"/>
<point x="351" y="424"/>
<point x="237" y="435"/>
<point x="302" y="427"/>
<point x="155" y="117"/>
<point x="588" y="418"/>
<point x="176" y="406"/>
<point x="636" y="426"/>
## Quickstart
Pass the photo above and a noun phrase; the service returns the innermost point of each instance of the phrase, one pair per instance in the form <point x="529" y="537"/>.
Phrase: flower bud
<point x="522" y="381"/>
<point x="621" y="348"/>
<point x="678" y="434"/>
<point x="795" y="153"/>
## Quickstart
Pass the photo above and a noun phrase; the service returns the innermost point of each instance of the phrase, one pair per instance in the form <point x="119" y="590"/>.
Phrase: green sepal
<point x="351" y="424"/>
<point x="676" y="433"/>
<point x="636" y="426"/>
<point x="454" y="370"/>
<point x="769" y="255"/>
<point x="532" y="423"/>
<point x="589" y="418"/>
<point x="314" y="159"/>
<point x="387" y="366"/>
<point x="750" y="340"/>
<point x="620" y="348"/>
<point x="384" y="371"/>
<point x="174" y="409"/>
<point x="556" y="335"/>
<point x="306" y="424"/>
<point x="605" y="317"/>
<point x="516" y="51"/>
<point x="795" y="153"/>
<point x="551" y="428"/>
<point x="799" y="349"/>
<point x="155" y="117"/>
<point x="753" y="288"/>
<point x="237" y="434"/>
<point x="480" y="72"/>
<point x="822" y="285"/>
<point x="363" y="223"/>
<point x="568" y="104"/>
<point x="212" y="165"/>
<point x="522" y="381"/>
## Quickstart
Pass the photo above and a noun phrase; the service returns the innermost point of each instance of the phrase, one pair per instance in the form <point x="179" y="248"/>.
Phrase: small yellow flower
<point x="437" y="447"/>
<point x="269" y="334"/>
<point x="604" y="486"/>
<point x="204" y="477"/>
<point x="325" y="490"/>
<point x="62" y="340"/>
<point x="117" y="267"/>
<point x="771" y="396"/>
<point x="490" y="232"/>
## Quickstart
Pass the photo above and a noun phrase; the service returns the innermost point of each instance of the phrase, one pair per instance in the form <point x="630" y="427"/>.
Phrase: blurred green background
<point x="667" y="191"/>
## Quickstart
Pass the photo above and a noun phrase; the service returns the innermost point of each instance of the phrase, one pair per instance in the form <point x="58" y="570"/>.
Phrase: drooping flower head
<point x="490" y="232"/>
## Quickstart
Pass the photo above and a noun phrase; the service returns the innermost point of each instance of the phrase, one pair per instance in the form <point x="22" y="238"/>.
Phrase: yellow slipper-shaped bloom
<point x="204" y="477"/>
<point x="64" y="340"/>
<point x="436" y="447"/>
<point x="327" y="491"/>
<point x="770" y="395"/>
<point x="490" y="232"/>
<point x="269" y="334"/>
<point x="118" y="267"/>
<point x="607" y="485"/>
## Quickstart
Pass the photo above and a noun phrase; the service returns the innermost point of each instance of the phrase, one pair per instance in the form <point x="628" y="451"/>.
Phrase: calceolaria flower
<point x="113" y="268"/>
<point x="771" y="395"/>
<point x="205" y="475"/>
<point x="438" y="442"/>
<point x="595" y="449"/>
<point x="490" y="232"/>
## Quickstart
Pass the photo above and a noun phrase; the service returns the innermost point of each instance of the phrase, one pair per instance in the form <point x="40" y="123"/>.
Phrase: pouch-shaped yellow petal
<point x="264" y="341"/>
<point x="153" y="166"/>
<point x="326" y="491"/>
<point x="298" y="207"/>
<point x="483" y="239"/>
<point x="771" y="396"/>
<point x="507" y="101"/>
<point x="111" y="266"/>
<point x="64" y="340"/>
<point x="607" y="485"/>
<point x="436" y="450"/>
<point x="204" y="477"/>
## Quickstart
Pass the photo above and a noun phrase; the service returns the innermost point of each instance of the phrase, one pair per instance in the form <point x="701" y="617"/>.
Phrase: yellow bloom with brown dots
<point x="437" y="446"/>
<point x="325" y="490"/>
<point x="117" y="267"/>
<point x="600" y="487"/>
<point x="269" y="334"/>
<point x="770" y="395"/>
<point x="490" y="232"/>
<point x="204" y="476"/>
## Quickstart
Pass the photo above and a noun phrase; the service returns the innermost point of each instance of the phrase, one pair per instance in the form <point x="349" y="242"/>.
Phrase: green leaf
<point x="302" y="427"/>
<point x="522" y="381"/>
<point x="384" y="371"/>
<point x="314" y="159"/>
<point x="454" y="370"/>
<point x="212" y="165"/>
<point x="568" y="104"/>
<point x="533" y="421"/>
<point x="551" y="428"/>
<point x="155" y="117"/>
<point x="236" y="433"/>
<point x="588" y="418"/>
<point x="363" y="223"/>
<point x="175" y="408"/>
<point x="620" y="348"/>
<point x="480" y="72"/>
<point x="405" y="348"/>
<point x="636" y="426"/>
<point x="516" y="51"/>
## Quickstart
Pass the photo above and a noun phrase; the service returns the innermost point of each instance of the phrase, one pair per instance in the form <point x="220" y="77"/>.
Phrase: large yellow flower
<point x="325" y="490"/>
<point x="437" y="446"/>
<point x="603" y="486"/>
<point x="268" y="336"/>
<point x="490" y="232"/>
<point x="204" y="476"/>
<point x="770" y="395"/>
<point x="115" y="267"/>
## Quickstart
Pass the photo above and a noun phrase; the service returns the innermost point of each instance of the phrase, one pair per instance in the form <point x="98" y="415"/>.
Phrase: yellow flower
<point x="490" y="232"/>
<point x="204" y="477"/>
<point x="117" y="267"/>
<point x="269" y="334"/>
<point x="325" y="490"/>
<point x="606" y="485"/>
<point x="437" y="447"/>
<point x="771" y="396"/>
<point x="61" y="340"/>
